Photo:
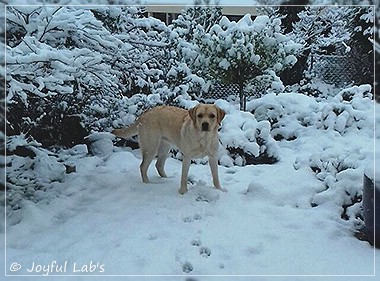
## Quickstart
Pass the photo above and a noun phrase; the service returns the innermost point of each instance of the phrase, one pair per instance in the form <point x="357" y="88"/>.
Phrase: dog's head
<point x="206" y="117"/>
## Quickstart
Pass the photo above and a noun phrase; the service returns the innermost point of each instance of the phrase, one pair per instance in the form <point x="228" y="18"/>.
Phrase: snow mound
<point x="101" y="143"/>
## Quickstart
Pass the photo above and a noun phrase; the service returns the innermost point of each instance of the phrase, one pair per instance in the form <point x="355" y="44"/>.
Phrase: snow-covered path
<point x="264" y="225"/>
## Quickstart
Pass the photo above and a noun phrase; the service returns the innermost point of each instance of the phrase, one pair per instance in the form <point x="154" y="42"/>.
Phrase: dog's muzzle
<point x="205" y="126"/>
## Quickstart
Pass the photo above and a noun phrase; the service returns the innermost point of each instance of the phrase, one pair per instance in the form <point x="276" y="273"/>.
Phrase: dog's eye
<point x="212" y="115"/>
<point x="200" y="115"/>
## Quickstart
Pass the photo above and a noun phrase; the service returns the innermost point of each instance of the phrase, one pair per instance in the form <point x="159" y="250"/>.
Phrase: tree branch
<point x="48" y="23"/>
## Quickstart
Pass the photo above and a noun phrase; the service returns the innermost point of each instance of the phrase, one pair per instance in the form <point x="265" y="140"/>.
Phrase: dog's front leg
<point x="185" y="171"/>
<point x="213" y="162"/>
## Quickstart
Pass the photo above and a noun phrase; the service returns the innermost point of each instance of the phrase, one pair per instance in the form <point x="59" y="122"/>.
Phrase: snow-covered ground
<point x="263" y="225"/>
<point x="273" y="220"/>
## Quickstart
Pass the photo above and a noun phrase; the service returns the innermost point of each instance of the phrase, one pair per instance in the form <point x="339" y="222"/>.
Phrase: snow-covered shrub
<point x="342" y="174"/>
<point x="51" y="71"/>
<point x="289" y="113"/>
<point x="250" y="53"/>
<point x="348" y="110"/>
<point x="316" y="88"/>
<point x="68" y="60"/>
<point x="244" y="140"/>
<point x="181" y="80"/>
<point x="320" y="27"/>
<point x="341" y="169"/>
<point x="31" y="170"/>
<point x="320" y="30"/>
<point x="143" y="54"/>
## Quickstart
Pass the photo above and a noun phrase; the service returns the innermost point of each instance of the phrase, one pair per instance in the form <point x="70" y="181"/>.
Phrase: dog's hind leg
<point x="162" y="154"/>
<point x="148" y="146"/>
<point x="147" y="159"/>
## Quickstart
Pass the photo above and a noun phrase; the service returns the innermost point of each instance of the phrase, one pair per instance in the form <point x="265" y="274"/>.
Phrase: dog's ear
<point x="192" y="113"/>
<point x="220" y="115"/>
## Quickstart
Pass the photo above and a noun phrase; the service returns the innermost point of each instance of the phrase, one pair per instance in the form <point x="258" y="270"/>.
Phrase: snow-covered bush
<point x="316" y="88"/>
<point x="31" y="170"/>
<point x="289" y="113"/>
<point x="322" y="30"/>
<point x="180" y="80"/>
<point x="188" y="63"/>
<point x="245" y="140"/>
<point x="250" y="53"/>
<point x="70" y="60"/>
<point x="342" y="174"/>
<point x="320" y="27"/>
<point x="77" y="61"/>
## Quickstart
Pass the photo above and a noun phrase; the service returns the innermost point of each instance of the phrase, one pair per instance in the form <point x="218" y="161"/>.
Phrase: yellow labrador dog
<point x="194" y="132"/>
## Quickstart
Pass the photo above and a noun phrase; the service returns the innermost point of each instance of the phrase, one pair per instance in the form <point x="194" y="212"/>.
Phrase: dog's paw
<point x="222" y="189"/>
<point x="182" y="191"/>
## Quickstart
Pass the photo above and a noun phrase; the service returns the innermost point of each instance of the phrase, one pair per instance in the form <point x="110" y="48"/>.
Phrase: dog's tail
<point x="126" y="132"/>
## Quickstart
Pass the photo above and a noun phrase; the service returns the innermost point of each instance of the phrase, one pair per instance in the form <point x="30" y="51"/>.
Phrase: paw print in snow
<point x="187" y="267"/>
<point x="195" y="217"/>
<point x="196" y="242"/>
<point x="205" y="252"/>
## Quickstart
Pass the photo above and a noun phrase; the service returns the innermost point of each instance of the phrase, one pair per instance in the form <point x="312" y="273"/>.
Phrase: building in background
<point x="167" y="13"/>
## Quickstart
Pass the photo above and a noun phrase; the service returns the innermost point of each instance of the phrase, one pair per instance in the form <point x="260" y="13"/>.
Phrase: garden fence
<point x="334" y="69"/>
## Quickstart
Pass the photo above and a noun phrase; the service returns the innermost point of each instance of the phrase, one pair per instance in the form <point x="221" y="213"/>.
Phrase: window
<point x="235" y="18"/>
<point x="161" y="16"/>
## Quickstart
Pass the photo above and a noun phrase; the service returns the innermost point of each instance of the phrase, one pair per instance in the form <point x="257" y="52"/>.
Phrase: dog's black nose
<point x="205" y="126"/>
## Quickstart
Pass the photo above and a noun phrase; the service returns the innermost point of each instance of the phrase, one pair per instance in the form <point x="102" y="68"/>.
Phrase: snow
<point x="103" y="220"/>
